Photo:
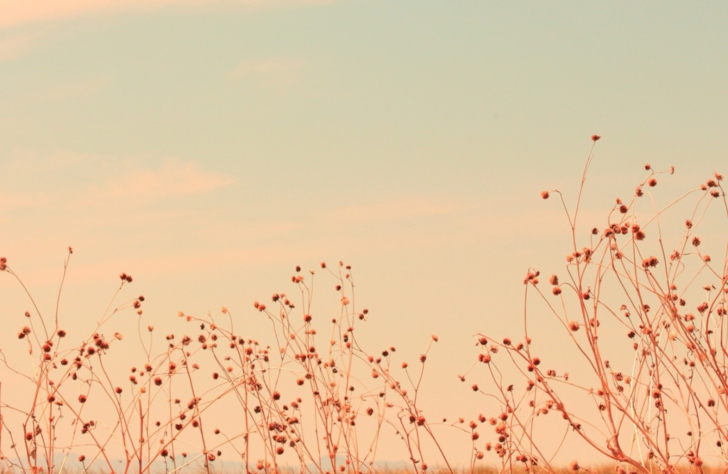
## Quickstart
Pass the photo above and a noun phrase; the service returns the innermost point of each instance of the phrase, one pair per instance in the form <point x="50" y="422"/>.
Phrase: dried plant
<point x="316" y="402"/>
<point x="645" y="318"/>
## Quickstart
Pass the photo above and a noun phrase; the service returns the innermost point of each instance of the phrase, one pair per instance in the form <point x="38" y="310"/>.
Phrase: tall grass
<point x="645" y="319"/>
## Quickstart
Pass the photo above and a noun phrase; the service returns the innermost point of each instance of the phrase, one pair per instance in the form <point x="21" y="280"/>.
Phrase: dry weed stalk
<point x="651" y="393"/>
<point x="299" y="401"/>
<point x="648" y="325"/>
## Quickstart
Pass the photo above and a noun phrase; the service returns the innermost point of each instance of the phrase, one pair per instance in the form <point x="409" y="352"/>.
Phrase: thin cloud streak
<point x="16" y="46"/>
<point x="400" y="209"/>
<point x="265" y="67"/>
<point x="279" y="73"/>
<point x="73" y="90"/>
<point x="171" y="180"/>
<point x="106" y="179"/>
<point x="15" y="14"/>
<point x="24" y="162"/>
<point x="15" y="202"/>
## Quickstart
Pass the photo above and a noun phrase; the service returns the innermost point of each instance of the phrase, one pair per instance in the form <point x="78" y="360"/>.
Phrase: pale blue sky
<point x="209" y="147"/>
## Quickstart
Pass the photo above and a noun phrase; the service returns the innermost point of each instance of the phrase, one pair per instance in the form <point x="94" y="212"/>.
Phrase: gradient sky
<point x="209" y="147"/>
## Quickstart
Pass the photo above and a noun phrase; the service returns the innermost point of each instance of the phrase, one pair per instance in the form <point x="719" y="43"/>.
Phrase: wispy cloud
<point x="13" y="14"/>
<point x="21" y="13"/>
<point x="16" y="46"/>
<point x="266" y="67"/>
<point x="14" y="202"/>
<point x="23" y="161"/>
<point x="81" y="181"/>
<point x="72" y="90"/>
<point x="399" y="209"/>
<point x="32" y="179"/>
<point x="172" y="179"/>
<point x="280" y="73"/>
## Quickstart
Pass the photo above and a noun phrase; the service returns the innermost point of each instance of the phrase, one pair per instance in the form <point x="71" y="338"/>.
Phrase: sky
<point x="208" y="147"/>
